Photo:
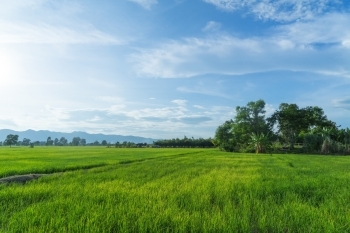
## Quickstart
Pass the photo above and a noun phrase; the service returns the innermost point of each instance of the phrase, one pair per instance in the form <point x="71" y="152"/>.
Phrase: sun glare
<point x="7" y="70"/>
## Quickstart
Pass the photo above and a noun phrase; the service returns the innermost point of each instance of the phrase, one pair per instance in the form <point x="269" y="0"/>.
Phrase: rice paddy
<point x="94" y="189"/>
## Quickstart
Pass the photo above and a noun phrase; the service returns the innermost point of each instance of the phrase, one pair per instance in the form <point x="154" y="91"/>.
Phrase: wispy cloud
<point x="329" y="29"/>
<point x="111" y="99"/>
<point x="180" y="102"/>
<point x="198" y="106"/>
<point x="192" y="56"/>
<point x="300" y="46"/>
<point x="5" y="123"/>
<point x="278" y="10"/>
<point x="203" y="91"/>
<point x="49" y="22"/>
<point x="212" y="26"/>
<point x="342" y="103"/>
<point x="147" y="4"/>
<point x="10" y="6"/>
<point x="16" y="33"/>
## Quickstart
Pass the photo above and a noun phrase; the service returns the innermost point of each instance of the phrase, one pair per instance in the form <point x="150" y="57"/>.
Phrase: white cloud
<point x="346" y="43"/>
<point x="342" y="103"/>
<point x="203" y="91"/>
<point x="149" y="122"/>
<point x="211" y="26"/>
<point x="147" y="4"/>
<point x="180" y="102"/>
<point x="16" y="33"/>
<point x="278" y="10"/>
<point x="6" y="123"/>
<point x="330" y="28"/>
<point x="300" y="46"/>
<point x="62" y="7"/>
<point x="269" y="110"/>
<point x="198" y="106"/>
<point x="182" y="58"/>
<point x="48" y="22"/>
<point x="10" y="6"/>
<point x="229" y="5"/>
<point x="111" y="99"/>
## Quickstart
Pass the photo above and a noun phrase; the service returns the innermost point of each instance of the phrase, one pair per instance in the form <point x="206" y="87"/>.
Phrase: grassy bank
<point x="171" y="190"/>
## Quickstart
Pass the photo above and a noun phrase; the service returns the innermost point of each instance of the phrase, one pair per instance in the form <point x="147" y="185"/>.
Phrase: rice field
<point x="95" y="189"/>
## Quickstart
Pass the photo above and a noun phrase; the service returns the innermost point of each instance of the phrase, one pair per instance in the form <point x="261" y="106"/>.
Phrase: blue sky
<point x="168" y="68"/>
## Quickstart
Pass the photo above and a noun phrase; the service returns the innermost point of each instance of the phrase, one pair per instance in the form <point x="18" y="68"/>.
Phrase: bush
<point x="312" y="143"/>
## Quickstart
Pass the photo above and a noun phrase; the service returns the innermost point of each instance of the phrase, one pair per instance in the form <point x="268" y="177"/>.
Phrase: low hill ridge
<point x="42" y="135"/>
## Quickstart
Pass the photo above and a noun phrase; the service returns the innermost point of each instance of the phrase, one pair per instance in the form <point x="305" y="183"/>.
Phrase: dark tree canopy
<point x="11" y="139"/>
<point x="76" y="141"/>
<point x="184" y="143"/>
<point x="235" y="135"/>
<point x="104" y="143"/>
<point x="49" y="141"/>
<point x="288" y="125"/>
<point x="292" y="120"/>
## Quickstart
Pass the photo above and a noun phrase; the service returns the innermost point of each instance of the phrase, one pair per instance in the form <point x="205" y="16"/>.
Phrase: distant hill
<point x="42" y="135"/>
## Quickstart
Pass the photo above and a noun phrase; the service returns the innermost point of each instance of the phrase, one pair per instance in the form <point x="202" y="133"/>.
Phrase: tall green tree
<point x="248" y="120"/>
<point x="236" y="134"/>
<point x="49" y="141"/>
<point x="76" y="141"/>
<point x="11" y="139"/>
<point x="56" y="142"/>
<point x="251" y="118"/>
<point x="83" y="142"/>
<point x="292" y="120"/>
<point x="63" y="141"/>
<point x="224" y="137"/>
<point x="26" y="142"/>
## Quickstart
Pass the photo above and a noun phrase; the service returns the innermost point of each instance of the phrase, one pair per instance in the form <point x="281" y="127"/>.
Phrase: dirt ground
<point x="21" y="178"/>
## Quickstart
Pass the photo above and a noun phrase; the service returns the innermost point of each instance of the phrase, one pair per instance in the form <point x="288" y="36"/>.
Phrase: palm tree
<point x="260" y="142"/>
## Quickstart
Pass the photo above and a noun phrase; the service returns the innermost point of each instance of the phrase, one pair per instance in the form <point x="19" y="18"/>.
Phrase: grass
<point x="23" y="160"/>
<point x="175" y="190"/>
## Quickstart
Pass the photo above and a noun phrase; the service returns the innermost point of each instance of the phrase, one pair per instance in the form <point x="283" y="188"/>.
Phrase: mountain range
<point x="42" y="135"/>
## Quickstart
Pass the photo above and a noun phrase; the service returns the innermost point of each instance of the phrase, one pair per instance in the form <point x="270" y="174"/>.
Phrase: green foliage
<point x="325" y="141"/>
<point x="224" y="137"/>
<point x="294" y="125"/>
<point x="49" y="142"/>
<point x="261" y="142"/>
<point x="76" y="141"/>
<point x="11" y="140"/>
<point x="185" y="143"/>
<point x="235" y="135"/>
<point x="26" y="142"/>
<point x="62" y="142"/>
<point x="312" y="143"/>
<point x="175" y="190"/>
<point x="83" y="142"/>
<point x="104" y="143"/>
<point x="291" y="121"/>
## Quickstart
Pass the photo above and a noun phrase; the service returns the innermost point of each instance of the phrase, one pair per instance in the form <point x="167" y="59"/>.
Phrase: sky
<point x="168" y="68"/>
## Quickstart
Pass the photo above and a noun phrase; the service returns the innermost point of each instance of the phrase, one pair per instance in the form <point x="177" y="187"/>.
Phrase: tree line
<point x="12" y="139"/>
<point x="250" y="130"/>
<point x="77" y="141"/>
<point x="185" y="143"/>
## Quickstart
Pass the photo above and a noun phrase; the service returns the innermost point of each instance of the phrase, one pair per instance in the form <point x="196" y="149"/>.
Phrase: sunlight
<point x="8" y="73"/>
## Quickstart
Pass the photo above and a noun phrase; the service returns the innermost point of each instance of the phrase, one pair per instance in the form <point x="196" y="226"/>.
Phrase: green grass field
<point x="173" y="190"/>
